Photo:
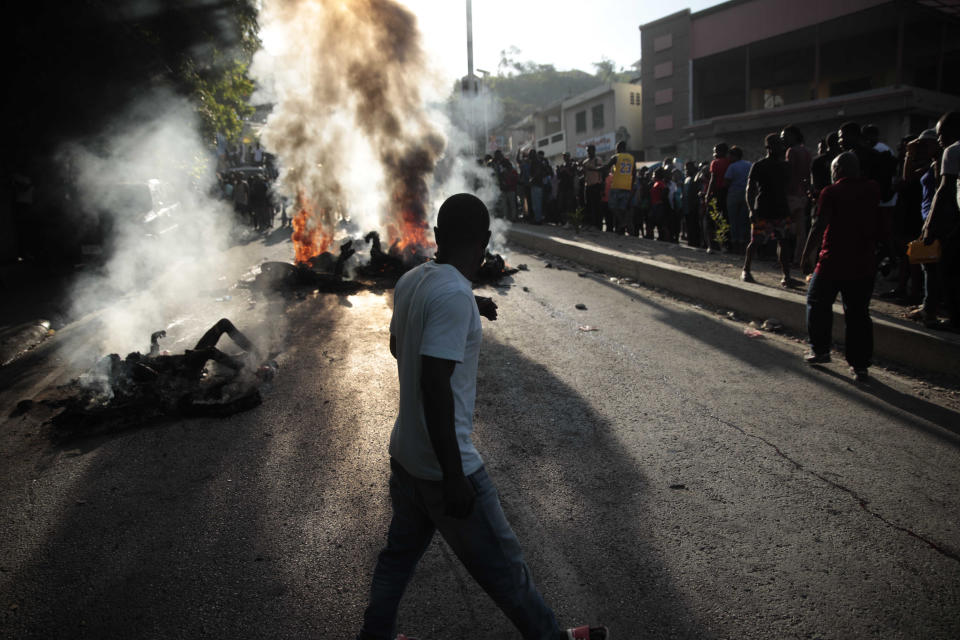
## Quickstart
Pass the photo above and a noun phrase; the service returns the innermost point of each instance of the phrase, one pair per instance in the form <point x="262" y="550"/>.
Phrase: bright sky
<point x="570" y="34"/>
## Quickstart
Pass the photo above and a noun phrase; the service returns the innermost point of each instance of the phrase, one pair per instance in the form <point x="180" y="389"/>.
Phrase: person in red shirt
<point x="660" y="205"/>
<point x="851" y="226"/>
<point x="717" y="186"/>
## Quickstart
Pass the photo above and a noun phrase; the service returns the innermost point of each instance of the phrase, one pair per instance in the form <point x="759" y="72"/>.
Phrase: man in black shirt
<point x="820" y="167"/>
<point x="769" y="209"/>
<point x="874" y="165"/>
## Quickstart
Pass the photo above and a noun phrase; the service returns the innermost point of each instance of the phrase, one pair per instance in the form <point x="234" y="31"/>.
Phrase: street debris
<point x="678" y="486"/>
<point x="587" y="327"/>
<point x="581" y="306"/>
<point x="752" y="333"/>
<point x="204" y="381"/>
<point x="493" y="269"/>
<point x="326" y="272"/>
<point x="772" y="324"/>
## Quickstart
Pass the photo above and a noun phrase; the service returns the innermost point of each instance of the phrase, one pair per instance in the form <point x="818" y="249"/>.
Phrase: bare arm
<point x="815" y="237"/>
<point x="751" y="191"/>
<point x="944" y="198"/>
<point x="458" y="494"/>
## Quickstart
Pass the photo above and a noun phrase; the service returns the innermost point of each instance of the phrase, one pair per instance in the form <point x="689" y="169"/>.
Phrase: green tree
<point x="221" y="94"/>
<point x="606" y="71"/>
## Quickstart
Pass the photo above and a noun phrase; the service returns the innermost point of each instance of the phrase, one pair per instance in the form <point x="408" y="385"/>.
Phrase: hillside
<point x="523" y="93"/>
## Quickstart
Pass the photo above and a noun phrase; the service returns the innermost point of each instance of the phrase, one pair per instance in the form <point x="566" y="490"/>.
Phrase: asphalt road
<point x="666" y="474"/>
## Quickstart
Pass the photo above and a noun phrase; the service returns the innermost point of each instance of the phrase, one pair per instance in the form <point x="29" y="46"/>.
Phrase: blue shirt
<point x="929" y="184"/>
<point x="736" y="176"/>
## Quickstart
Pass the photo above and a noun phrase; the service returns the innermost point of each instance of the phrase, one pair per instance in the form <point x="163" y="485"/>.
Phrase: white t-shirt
<point x="434" y="314"/>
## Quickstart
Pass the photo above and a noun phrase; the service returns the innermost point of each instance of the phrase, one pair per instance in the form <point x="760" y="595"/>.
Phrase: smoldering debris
<point x="120" y="393"/>
<point x="325" y="272"/>
<point x="493" y="270"/>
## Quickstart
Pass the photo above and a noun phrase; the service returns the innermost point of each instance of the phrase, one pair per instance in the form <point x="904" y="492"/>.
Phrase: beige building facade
<point x="602" y="117"/>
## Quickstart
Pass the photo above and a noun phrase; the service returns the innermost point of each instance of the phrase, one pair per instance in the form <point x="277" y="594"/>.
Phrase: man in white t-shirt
<point x="943" y="224"/>
<point x="438" y="481"/>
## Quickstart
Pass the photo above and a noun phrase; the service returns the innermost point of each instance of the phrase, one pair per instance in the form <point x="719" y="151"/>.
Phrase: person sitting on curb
<point x="850" y="225"/>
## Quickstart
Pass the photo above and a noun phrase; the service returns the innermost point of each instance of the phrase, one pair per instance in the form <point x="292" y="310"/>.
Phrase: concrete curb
<point x="894" y="341"/>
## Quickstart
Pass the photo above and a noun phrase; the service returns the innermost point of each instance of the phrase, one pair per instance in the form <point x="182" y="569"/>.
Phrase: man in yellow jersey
<point x="622" y="165"/>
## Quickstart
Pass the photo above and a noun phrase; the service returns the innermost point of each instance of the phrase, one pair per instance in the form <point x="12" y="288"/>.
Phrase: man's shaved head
<point x="463" y="219"/>
<point x="845" y="165"/>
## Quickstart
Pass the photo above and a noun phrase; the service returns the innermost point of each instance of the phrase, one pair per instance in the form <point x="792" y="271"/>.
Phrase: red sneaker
<point x="587" y="632"/>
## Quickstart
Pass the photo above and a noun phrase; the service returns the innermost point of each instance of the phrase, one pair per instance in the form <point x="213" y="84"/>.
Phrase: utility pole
<point x="469" y="87"/>
<point x="470" y="39"/>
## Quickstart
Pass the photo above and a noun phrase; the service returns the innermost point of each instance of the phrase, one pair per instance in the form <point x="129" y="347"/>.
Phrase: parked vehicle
<point x="149" y="208"/>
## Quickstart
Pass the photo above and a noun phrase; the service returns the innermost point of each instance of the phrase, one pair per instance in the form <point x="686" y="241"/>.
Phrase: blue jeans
<point x="619" y="203"/>
<point x="856" y="315"/>
<point x="536" y="201"/>
<point x="484" y="542"/>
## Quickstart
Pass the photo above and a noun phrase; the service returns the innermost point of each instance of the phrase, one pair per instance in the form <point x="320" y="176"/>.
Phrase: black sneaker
<point x="817" y="358"/>
<point x="860" y="374"/>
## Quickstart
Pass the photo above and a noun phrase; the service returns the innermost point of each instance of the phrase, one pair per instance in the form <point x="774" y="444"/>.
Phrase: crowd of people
<point x="245" y="180"/>
<point x="816" y="209"/>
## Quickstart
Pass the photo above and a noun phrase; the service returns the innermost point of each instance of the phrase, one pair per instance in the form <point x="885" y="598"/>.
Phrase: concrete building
<point x="602" y="117"/>
<point x="745" y="68"/>
<point x="548" y="131"/>
<point x="512" y="138"/>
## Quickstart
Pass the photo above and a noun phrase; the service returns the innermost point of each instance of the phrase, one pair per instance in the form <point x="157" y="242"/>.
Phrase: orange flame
<point x="410" y="236"/>
<point x="309" y="237"/>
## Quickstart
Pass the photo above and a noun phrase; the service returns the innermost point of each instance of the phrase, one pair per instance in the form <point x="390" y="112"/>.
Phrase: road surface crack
<point x="863" y="502"/>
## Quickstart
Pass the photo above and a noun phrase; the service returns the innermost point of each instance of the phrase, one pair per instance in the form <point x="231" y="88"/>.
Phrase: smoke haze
<point x="156" y="268"/>
<point x="349" y="82"/>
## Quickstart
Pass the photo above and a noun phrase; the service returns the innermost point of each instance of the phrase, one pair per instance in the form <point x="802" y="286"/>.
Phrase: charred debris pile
<point x="121" y="393"/>
<point x="326" y="272"/>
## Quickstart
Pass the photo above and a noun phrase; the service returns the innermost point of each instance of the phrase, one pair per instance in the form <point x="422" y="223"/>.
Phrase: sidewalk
<point x="715" y="279"/>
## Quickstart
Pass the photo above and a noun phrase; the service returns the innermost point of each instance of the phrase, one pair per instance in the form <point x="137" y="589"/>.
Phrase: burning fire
<point x="309" y="237"/>
<point x="410" y="236"/>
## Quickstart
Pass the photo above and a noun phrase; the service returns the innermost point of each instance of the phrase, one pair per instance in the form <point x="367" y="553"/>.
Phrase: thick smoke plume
<point x="158" y="272"/>
<point x="349" y="124"/>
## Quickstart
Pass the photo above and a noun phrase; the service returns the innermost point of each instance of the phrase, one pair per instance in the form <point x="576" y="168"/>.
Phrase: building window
<point x="597" y="114"/>
<point x="631" y="98"/>
<point x="663" y="96"/>
<point x="581" y="121"/>
<point x="663" y="42"/>
<point x="662" y="123"/>
<point x="663" y="70"/>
